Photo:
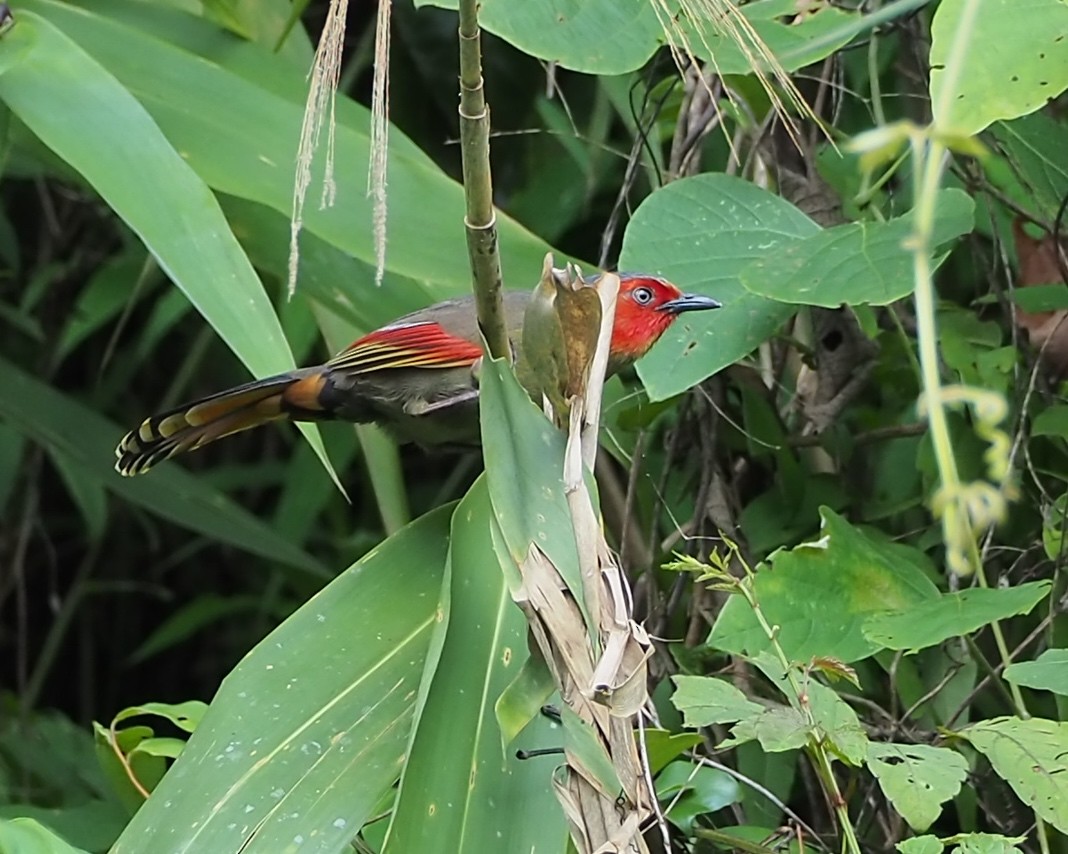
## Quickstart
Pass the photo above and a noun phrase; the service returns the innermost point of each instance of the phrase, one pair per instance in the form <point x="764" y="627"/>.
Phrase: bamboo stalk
<point x="480" y="220"/>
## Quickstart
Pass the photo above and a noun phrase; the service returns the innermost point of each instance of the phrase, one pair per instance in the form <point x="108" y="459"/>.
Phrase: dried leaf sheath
<point x="597" y="663"/>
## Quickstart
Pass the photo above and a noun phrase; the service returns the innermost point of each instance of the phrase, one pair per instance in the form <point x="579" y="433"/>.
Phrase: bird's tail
<point x="293" y="396"/>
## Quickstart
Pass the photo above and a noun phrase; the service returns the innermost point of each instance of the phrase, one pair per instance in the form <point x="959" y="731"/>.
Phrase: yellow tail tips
<point x="158" y="440"/>
<point x="194" y="425"/>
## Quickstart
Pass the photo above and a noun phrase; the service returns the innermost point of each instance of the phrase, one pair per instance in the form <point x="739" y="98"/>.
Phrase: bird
<point x="416" y="376"/>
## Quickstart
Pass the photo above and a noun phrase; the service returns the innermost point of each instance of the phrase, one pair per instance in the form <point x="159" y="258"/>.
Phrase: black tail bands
<point x="294" y="395"/>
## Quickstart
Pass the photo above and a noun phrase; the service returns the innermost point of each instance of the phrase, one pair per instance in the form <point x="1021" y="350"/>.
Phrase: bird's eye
<point x="642" y="296"/>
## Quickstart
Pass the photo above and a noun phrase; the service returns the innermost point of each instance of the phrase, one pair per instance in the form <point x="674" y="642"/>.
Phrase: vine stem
<point x="850" y="843"/>
<point x="930" y="156"/>
<point x="481" y="220"/>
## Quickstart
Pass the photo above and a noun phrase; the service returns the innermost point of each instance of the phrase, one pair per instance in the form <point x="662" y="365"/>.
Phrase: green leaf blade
<point x="45" y="415"/>
<point x="856" y="263"/>
<point x="1048" y="672"/>
<point x="117" y="147"/>
<point x="917" y="778"/>
<point x="704" y="701"/>
<point x="1012" y="64"/>
<point x="80" y="111"/>
<point x="28" y="836"/>
<point x="700" y="233"/>
<point x="462" y="792"/>
<point x="950" y="615"/>
<point x="524" y="457"/>
<point x="1032" y="757"/>
<point x="287" y="750"/>
<point x="820" y="595"/>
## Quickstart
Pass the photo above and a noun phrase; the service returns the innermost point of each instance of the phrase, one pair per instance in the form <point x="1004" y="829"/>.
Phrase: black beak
<point x="690" y="302"/>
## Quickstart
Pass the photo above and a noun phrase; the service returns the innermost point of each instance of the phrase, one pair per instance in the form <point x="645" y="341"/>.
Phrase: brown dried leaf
<point x="560" y="334"/>
<point x="580" y="317"/>
<point x="835" y="668"/>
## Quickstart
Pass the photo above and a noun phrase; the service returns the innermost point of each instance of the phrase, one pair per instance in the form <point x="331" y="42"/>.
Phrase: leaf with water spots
<point x="462" y="790"/>
<point x="311" y="728"/>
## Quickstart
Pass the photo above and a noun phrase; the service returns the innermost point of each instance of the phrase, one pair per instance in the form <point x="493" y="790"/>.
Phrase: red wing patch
<point x="413" y="345"/>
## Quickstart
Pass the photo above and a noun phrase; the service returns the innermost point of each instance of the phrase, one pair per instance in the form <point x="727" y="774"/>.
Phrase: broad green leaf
<point x="288" y="751"/>
<point x="701" y="232"/>
<point x="238" y="129"/>
<point x="930" y="622"/>
<point x="917" y="778"/>
<point x="860" y="262"/>
<point x="839" y="726"/>
<point x="462" y="791"/>
<point x="1034" y="145"/>
<point x="1052" y="421"/>
<point x="704" y="701"/>
<point x="166" y="748"/>
<point x="617" y="36"/>
<point x="687" y="791"/>
<point x="1039" y="298"/>
<point x="921" y="845"/>
<point x="93" y="825"/>
<point x="777" y="772"/>
<point x="118" y="759"/>
<point x="28" y="836"/>
<point x="777" y="729"/>
<point x="593" y="36"/>
<point x="87" y="440"/>
<point x="1048" y="672"/>
<point x="819" y="594"/>
<point x="1032" y="757"/>
<point x="1015" y="61"/>
<point x="18" y="49"/>
<point x="84" y="114"/>
<point x="186" y="716"/>
<point x="986" y="843"/>
<point x="524" y="457"/>
<point x="267" y="23"/>
<point x="663" y="746"/>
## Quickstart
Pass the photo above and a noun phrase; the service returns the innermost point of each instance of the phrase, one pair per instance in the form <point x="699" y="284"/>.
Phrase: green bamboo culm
<point x="480" y="221"/>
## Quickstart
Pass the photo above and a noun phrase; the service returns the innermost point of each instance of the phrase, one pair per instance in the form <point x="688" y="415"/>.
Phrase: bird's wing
<point x="406" y="345"/>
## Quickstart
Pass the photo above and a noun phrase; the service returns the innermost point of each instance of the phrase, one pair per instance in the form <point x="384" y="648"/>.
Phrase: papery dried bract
<point x="560" y="331"/>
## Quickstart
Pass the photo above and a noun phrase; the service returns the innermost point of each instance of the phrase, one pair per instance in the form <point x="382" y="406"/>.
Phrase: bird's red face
<point x="646" y="307"/>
